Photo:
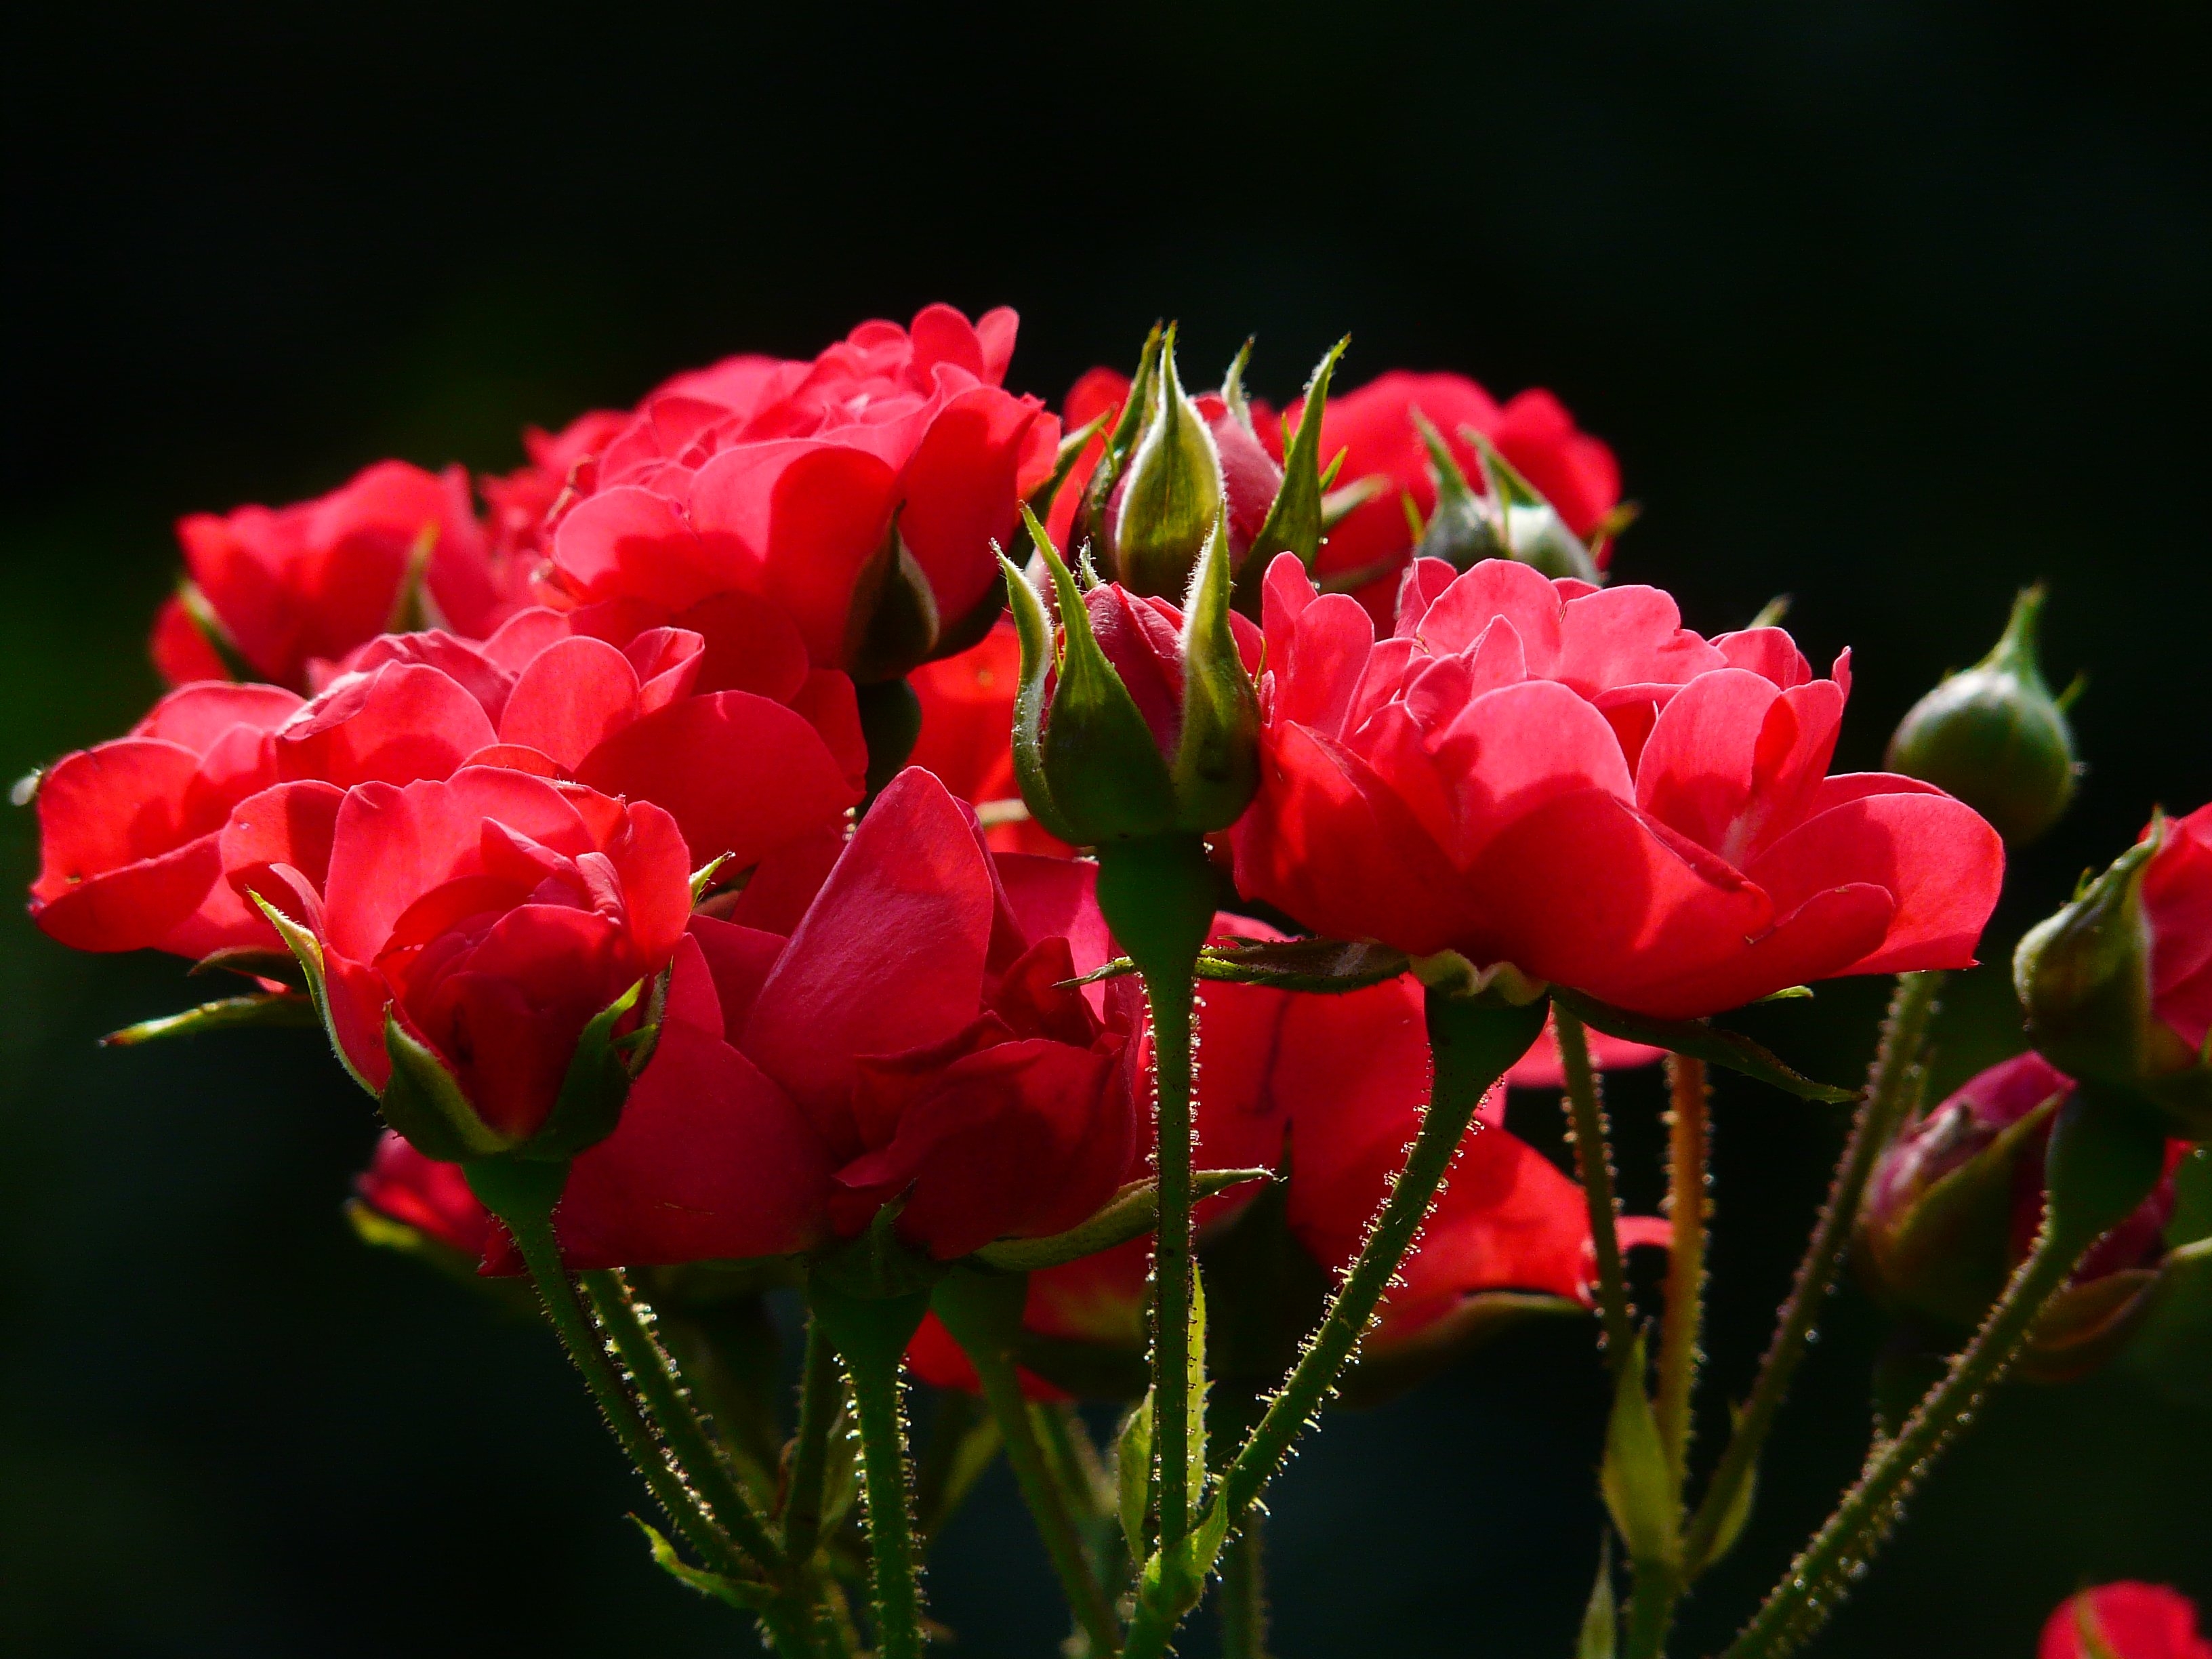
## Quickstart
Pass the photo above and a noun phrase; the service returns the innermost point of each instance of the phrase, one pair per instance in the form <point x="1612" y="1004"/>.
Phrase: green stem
<point x="805" y="1496"/>
<point x="1651" y="1599"/>
<point x="1594" y="1162"/>
<point x="1002" y="1391"/>
<point x="870" y="1336"/>
<point x="1882" y="1105"/>
<point x="1821" y="1575"/>
<point x="1244" y="1594"/>
<point x="1157" y="896"/>
<point x="668" y="1406"/>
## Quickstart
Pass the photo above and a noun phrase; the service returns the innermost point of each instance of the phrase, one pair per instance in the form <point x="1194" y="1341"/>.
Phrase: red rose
<point x="492" y="916"/>
<point x="592" y="697"/>
<point x="292" y="584"/>
<point x="518" y="503"/>
<point x="1374" y="426"/>
<point x="1544" y="774"/>
<point x="2126" y="1620"/>
<point x="783" y="480"/>
<point x="904" y="1032"/>
<point x="128" y="830"/>
<point x="2177" y="902"/>
<point x="967" y="735"/>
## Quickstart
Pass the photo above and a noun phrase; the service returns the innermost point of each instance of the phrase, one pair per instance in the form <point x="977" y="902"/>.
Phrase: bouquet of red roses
<point x="1062" y="895"/>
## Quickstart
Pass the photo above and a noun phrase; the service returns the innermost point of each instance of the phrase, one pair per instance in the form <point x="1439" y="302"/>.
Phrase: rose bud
<point x="1508" y="520"/>
<point x="1563" y="779"/>
<point x="2126" y="1620"/>
<point x="478" y="947"/>
<point x="1994" y="736"/>
<point x="2118" y="986"/>
<point x="861" y="493"/>
<point x="1954" y="1208"/>
<point x="1142" y="722"/>
<point x="1142" y="499"/>
<point x="129" y="830"/>
<point x="270" y="592"/>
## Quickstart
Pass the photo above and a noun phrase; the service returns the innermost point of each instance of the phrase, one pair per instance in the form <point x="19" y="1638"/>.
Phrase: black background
<point x="1889" y="306"/>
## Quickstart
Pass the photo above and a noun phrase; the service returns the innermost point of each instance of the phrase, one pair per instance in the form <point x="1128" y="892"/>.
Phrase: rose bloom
<point x="1332" y="1087"/>
<point x="1373" y="426"/>
<point x="2177" y="902"/>
<point x="518" y="503"/>
<point x="2126" y="1621"/>
<point x="292" y="585"/>
<point x="783" y="480"/>
<point x="492" y="915"/>
<point x="129" y="830"/>
<point x="1564" y="778"/>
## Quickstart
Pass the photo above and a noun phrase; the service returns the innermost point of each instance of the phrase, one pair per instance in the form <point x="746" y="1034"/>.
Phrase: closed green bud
<point x="1511" y="519"/>
<point x="1170" y="498"/>
<point x="1995" y="737"/>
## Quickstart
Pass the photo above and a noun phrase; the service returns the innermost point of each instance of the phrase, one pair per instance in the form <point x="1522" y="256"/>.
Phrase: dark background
<point x="1890" y="306"/>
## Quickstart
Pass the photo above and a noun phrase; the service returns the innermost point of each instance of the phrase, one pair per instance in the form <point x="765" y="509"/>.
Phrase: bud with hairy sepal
<point x="1508" y="519"/>
<point x="1295" y="521"/>
<point x="1994" y="736"/>
<point x="1090" y="534"/>
<point x="1169" y="503"/>
<point x="1144" y="722"/>
<point x="2113" y="986"/>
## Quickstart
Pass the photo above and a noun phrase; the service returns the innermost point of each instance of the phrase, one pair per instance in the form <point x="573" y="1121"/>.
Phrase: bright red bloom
<point x="128" y="830"/>
<point x="903" y="1033"/>
<point x="2177" y="902"/>
<point x="782" y="480"/>
<point x="606" y="697"/>
<point x="966" y="733"/>
<point x="293" y="585"/>
<point x="401" y="1185"/>
<point x="1564" y="778"/>
<point x="2131" y="1620"/>
<point x="1374" y="426"/>
<point x="518" y="503"/>
<point x="494" y="915"/>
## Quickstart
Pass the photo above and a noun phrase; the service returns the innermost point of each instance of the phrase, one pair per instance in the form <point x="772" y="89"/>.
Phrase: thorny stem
<point x="870" y="1336"/>
<point x="1819" y="1578"/>
<point x="668" y="1406"/>
<point x="1888" y="1092"/>
<point x="1594" y="1163"/>
<point x="819" y="1403"/>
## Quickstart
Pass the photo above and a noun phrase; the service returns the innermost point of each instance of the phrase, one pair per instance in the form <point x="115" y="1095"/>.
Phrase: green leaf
<point x="283" y="1008"/>
<point x="1739" y="1506"/>
<point x="2171" y="1349"/>
<point x="1699" y="1040"/>
<point x="1128" y="1215"/>
<point x="595" y="1085"/>
<point x="735" y="1591"/>
<point x="307" y="950"/>
<point x="1600" y="1629"/>
<point x="1637" y="1478"/>
<point x="1132" y="1475"/>
<point x="963" y="1438"/>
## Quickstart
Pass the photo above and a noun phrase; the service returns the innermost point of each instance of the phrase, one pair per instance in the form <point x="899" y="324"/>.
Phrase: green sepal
<point x="1233" y="387"/>
<point x="1216" y="771"/>
<point x="1600" y="1629"/>
<point x="596" y="1084"/>
<point x="1295" y="519"/>
<point x="1090" y="536"/>
<point x="425" y="1107"/>
<point x="413" y="608"/>
<point x="737" y="1592"/>
<point x="1130" y="1213"/>
<point x="1697" y="1039"/>
<point x="307" y="950"/>
<point x="1324" y="965"/>
<point x="1034" y="629"/>
<point x="520" y="1191"/>
<point x="283" y="1008"/>
<point x="876" y="1266"/>
<point x="1529" y="527"/>
<point x="1132" y="1477"/>
<point x="251" y="962"/>
<point x="1738" y="1512"/>
<point x="1171" y="498"/>
<point x="890" y="725"/>
<point x="893" y="626"/>
<point x="2171" y="1348"/>
<point x="380" y="1232"/>
<point x="1064" y="459"/>
<point x="1637" y="1480"/>
<point x="1104" y="776"/>
<point x="702" y="878"/>
<point x="209" y="627"/>
<point x="2106" y="1152"/>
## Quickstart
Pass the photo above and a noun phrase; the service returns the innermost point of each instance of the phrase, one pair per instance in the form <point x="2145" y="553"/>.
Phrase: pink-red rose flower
<point x="2126" y="1621"/>
<point x="604" y="696"/>
<point x="294" y="585"/>
<point x="434" y="1199"/>
<point x="1564" y="778"/>
<point x="518" y="503"/>
<point x="492" y="916"/>
<point x="1373" y="426"/>
<point x="784" y="480"/>
<point x="2177" y="902"/>
<point x="129" y="830"/>
<point x="897" y="1029"/>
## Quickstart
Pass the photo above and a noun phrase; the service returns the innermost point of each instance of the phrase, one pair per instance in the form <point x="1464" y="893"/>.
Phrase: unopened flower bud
<point x="1144" y="719"/>
<point x="2118" y="986"/>
<point x="1509" y="520"/>
<point x="1994" y="736"/>
<point x="1167" y="502"/>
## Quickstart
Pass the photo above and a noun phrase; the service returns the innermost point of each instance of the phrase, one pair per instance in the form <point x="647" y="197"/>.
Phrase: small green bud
<point x="1171" y="498"/>
<point x="1995" y="737"/>
<point x="1510" y="521"/>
